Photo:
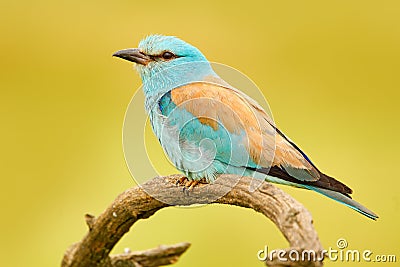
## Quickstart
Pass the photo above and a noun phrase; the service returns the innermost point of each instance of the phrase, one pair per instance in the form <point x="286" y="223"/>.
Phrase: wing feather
<point x="220" y="106"/>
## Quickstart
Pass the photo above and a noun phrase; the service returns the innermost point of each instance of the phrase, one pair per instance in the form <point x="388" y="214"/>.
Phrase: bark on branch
<point x="291" y="218"/>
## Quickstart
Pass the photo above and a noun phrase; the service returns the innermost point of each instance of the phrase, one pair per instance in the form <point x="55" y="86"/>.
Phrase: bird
<point x="207" y="127"/>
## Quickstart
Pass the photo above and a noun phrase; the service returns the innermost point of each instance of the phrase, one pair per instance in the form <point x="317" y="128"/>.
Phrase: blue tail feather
<point x="345" y="200"/>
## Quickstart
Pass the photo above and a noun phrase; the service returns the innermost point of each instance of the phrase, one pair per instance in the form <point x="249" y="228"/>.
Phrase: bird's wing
<point x="219" y="106"/>
<point x="288" y="155"/>
<point x="291" y="163"/>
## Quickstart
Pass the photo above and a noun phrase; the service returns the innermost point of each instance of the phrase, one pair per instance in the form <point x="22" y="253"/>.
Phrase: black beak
<point x="133" y="55"/>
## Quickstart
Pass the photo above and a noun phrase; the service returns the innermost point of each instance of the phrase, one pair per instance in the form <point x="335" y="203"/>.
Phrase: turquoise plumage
<point x="206" y="127"/>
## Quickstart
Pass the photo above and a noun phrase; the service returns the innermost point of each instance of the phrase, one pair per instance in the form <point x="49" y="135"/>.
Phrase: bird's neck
<point x="157" y="82"/>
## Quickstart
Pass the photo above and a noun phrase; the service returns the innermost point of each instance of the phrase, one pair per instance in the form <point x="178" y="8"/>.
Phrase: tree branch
<point x="291" y="218"/>
<point x="162" y="255"/>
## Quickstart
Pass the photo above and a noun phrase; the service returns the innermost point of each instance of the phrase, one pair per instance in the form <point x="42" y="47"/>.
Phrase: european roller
<point x="207" y="127"/>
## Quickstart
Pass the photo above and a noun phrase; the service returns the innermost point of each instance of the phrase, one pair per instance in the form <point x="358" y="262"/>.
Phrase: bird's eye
<point x="167" y="55"/>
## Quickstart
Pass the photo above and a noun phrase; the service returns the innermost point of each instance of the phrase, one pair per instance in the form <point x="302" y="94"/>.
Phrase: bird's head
<point x="166" y="59"/>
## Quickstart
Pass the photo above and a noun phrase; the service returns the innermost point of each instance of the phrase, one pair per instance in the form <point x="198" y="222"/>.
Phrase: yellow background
<point x="329" y="69"/>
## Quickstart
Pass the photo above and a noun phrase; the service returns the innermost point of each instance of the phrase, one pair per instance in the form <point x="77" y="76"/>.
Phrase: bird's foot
<point x="188" y="185"/>
<point x="182" y="181"/>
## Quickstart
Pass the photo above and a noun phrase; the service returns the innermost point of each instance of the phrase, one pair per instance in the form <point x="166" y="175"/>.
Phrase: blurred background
<point x="329" y="70"/>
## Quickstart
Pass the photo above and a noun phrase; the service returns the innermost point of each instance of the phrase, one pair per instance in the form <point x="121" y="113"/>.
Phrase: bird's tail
<point x="346" y="200"/>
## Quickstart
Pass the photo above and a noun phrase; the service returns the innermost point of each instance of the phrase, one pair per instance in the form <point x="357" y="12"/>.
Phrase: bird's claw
<point x="182" y="181"/>
<point x="189" y="185"/>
